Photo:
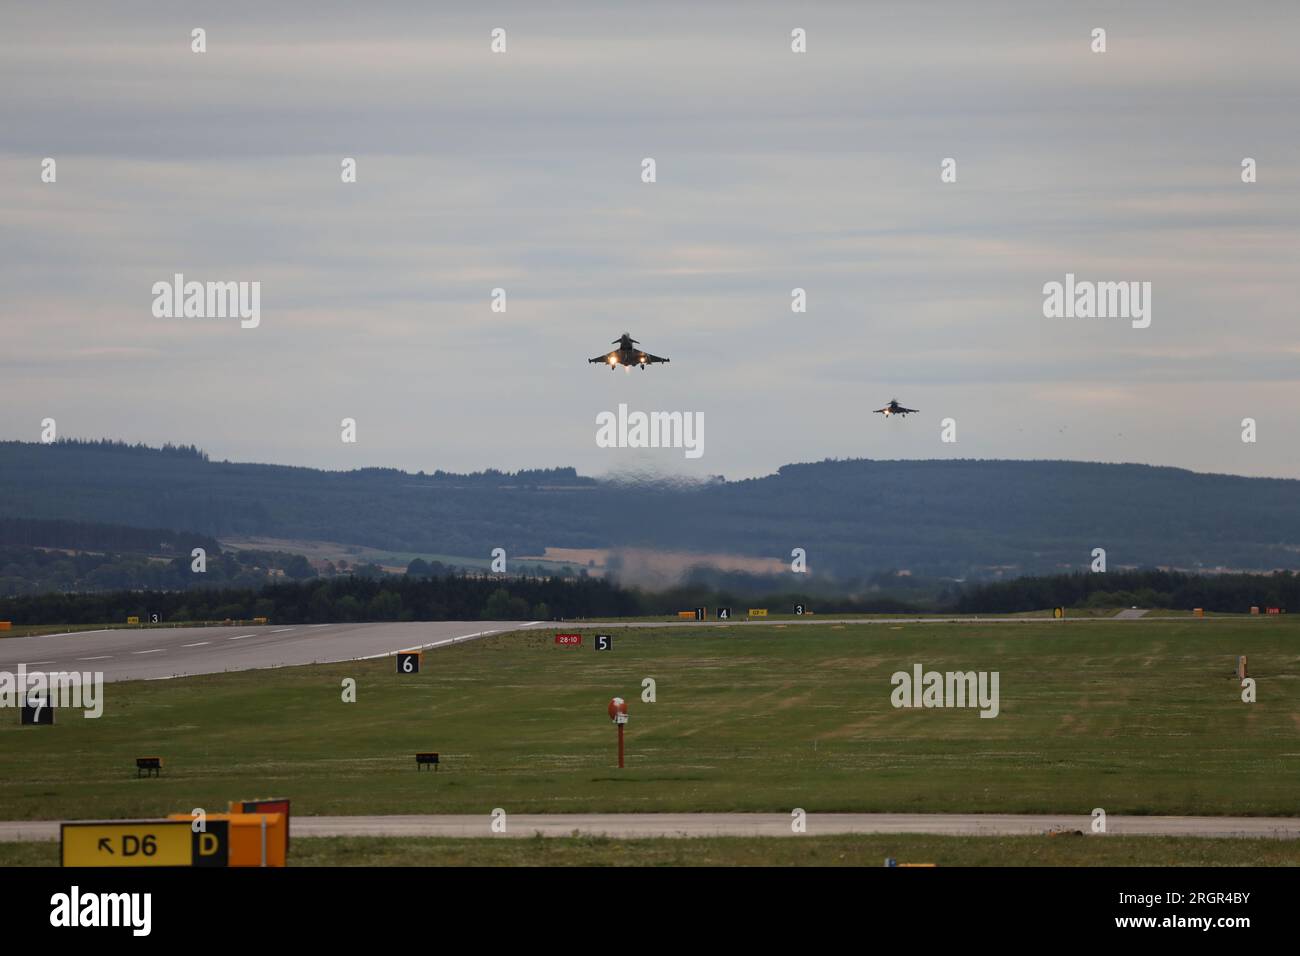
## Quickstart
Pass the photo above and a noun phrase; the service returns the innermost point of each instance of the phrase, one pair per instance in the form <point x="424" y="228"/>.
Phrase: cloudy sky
<point x="775" y="170"/>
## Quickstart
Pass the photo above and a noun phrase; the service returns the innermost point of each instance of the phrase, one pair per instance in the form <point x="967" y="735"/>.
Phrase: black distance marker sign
<point x="36" y="711"/>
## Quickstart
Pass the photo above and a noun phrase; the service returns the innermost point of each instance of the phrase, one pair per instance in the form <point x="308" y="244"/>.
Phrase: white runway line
<point x="240" y="637"/>
<point x="421" y="647"/>
<point x="73" y="633"/>
<point x="36" y="663"/>
<point x="280" y="631"/>
<point x="156" y="650"/>
<point x="102" y="657"/>
<point x="199" y="644"/>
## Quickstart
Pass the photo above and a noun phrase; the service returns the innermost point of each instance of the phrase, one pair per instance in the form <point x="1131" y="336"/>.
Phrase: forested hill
<point x="931" y="517"/>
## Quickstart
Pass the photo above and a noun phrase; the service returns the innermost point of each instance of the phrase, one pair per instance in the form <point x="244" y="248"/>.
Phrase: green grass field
<point x="1143" y="719"/>
<point x="847" y="850"/>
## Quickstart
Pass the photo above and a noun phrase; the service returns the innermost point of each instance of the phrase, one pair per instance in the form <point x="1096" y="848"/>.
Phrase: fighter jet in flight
<point x="627" y="355"/>
<point x="893" y="408"/>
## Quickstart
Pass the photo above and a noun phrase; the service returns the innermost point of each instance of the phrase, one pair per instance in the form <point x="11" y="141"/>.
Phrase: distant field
<point x="29" y="630"/>
<point x="740" y="611"/>
<point x="847" y="850"/>
<point x="26" y="630"/>
<point x="387" y="558"/>
<point x="1134" y="718"/>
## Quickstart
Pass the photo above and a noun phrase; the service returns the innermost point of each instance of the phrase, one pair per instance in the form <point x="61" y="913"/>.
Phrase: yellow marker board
<point x="133" y="620"/>
<point x="143" y="843"/>
<point x="758" y="612"/>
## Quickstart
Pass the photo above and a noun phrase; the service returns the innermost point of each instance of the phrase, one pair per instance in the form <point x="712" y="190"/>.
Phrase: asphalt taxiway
<point x="644" y="825"/>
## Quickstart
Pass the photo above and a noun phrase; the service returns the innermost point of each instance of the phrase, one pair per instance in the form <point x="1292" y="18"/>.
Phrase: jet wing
<point x="880" y="411"/>
<point x="649" y="359"/>
<point x="604" y="358"/>
<point x="906" y="411"/>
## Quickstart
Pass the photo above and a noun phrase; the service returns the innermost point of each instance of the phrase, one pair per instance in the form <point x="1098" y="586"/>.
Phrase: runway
<point x="678" y="825"/>
<point x="153" y="653"/>
<point x="162" y="652"/>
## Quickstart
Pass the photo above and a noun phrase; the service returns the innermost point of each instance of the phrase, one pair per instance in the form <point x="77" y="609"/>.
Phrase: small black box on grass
<point x="36" y="711"/>
<point x="150" y="766"/>
<point x="429" y="759"/>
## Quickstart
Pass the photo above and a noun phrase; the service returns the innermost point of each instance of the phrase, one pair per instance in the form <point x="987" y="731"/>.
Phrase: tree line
<point x="1226" y="593"/>
<point x="339" y="599"/>
<point x="97" y="536"/>
<point x="489" y="597"/>
<point x="959" y="519"/>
